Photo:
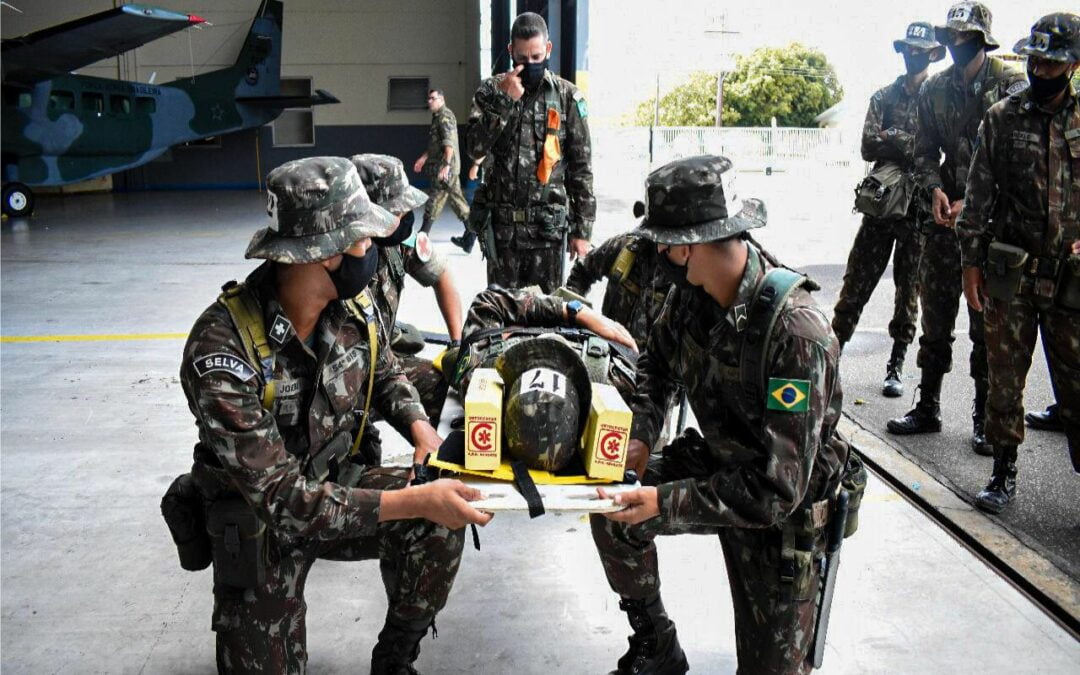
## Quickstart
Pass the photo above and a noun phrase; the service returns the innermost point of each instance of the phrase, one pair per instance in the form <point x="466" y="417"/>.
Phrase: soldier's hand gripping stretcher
<point x="444" y="501"/>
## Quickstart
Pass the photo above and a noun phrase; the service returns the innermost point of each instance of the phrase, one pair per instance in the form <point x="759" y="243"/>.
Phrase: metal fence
<point x="754" y="148"/>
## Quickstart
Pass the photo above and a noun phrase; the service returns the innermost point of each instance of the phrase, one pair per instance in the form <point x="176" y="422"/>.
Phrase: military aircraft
<point x="60" y="128"/>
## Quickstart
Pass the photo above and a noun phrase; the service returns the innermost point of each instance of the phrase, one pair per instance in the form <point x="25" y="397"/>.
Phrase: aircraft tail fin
<point x="260" y="58"/>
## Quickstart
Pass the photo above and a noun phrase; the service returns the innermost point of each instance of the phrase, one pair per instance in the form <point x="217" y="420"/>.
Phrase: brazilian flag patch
<point x="788" y="395"/>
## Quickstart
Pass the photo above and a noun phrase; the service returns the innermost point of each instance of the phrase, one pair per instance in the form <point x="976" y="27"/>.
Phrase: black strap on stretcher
<point x="525" y="485"/>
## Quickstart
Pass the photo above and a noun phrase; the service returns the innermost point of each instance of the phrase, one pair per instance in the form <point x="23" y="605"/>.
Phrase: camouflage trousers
<point x="941" y="290"/>
<point x="875" y="241"/>
<point x="774" y="622"/>
<point x="429" y="382"/>
<point x="438" y="194"/>
<point x="432" y="387"/>
<point x="1011" y="329"/>
<point x="262" y="630"/>
<point x="514" y="266"/>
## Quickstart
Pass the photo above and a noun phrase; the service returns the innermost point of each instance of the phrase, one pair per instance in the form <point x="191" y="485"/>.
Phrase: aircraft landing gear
<point x="18" y="200"/>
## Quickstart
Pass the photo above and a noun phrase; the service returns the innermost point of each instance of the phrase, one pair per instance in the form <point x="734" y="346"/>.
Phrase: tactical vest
<point x="247" y="317"/>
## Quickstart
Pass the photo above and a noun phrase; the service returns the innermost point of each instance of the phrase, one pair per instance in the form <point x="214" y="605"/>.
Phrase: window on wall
<point x="295" y="127"/>
<point x="93" y="103"/>
<point x="407" y="93"/>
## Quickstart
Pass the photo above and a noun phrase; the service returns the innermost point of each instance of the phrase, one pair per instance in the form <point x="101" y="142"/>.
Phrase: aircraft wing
<point x="72" y="45"/>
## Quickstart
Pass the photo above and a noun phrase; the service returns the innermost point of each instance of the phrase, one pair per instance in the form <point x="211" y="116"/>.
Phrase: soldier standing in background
<point x="889" y="138"/>
<point x="536" y="201"/>
<point x="443" y="163"/>
<point x="1020" y="242"/>
<point x="273" y="372"/>
<point x="951" y="104"/>
<point x="762" y="471"/>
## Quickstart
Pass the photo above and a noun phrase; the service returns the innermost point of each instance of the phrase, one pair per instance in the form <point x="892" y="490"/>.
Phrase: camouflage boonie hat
<point x="921" y="35"/>
<point x="1055" y="37"/>
<point x="685" y="204"/>
<point x="968" y="16"/>
<point x="386" y="182"/>
<point x="318" y="208"/>
<point x="547" y="398"/>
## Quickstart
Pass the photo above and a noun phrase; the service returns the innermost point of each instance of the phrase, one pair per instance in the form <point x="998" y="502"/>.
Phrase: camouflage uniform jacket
<point x="498" y="307"/>
<point x="265" y="454"/>
<point x="634" y="300"/>
<point x="766" y="461"/>
<point x="944" y="105"/>
<point x="891" y="107"/>
<point x="442" y="134"/>
<point x="513" y="133"/>
<point x="1025" y="176"/>
<point x="397" y="261"/>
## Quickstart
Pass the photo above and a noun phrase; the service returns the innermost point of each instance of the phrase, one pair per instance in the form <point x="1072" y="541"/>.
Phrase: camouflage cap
<point x="921" y="35"/>
<point x="685" y="204"/>
<point x="1055" y="37"/>
<point x="386" y="182"/>
<point x="547" y="398"/>
<point x="318" y="208"/>
<point x="968" y="16"/>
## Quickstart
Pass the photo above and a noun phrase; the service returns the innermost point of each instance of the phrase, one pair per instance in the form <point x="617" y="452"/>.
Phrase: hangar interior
<point x="98" y="291"/>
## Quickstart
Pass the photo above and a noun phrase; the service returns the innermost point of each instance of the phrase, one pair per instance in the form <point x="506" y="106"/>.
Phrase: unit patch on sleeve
<point x="204" y="365"/>
<point x="788" y="395"/>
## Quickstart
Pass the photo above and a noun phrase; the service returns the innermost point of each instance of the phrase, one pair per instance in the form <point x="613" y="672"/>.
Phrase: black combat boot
<point x="464" y="242"/>
<point x="926" y="417"/>
<point x="398" y="647"/>
<point x="654" y="646"/>
<point x="893" y="386"/>
<point x="1002" y="486"/>
<point x="1046" y="420"/>
<point x="978" y="423"/>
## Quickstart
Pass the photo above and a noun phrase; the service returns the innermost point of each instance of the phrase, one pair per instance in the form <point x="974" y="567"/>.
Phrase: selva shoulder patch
<point x="221" y="362"/>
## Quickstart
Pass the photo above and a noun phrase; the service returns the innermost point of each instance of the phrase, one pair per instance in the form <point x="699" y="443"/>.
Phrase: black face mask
<point x="355" y="273"/>
<point x="403" y="232"/>
<point x="962" y="54"/>
<point x="533" y="74"/>
<point x="1045" y="89"/>
<point x="916" y="63"/>
<point x="676" y="274"/>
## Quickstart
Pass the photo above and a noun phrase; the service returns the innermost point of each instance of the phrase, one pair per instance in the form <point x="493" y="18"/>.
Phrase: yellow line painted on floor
<point x="109" y="337"/>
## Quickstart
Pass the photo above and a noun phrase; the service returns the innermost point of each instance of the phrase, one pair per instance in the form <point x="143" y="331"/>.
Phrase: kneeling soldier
<point x="760" y="367"/>
<point x="275" y="372"/>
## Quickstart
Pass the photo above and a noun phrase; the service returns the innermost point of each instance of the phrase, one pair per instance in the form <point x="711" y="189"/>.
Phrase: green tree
<point x="793" y="84"/>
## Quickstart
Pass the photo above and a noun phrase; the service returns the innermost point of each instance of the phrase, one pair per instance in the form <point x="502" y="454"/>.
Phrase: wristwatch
<point x="572" y="309"/>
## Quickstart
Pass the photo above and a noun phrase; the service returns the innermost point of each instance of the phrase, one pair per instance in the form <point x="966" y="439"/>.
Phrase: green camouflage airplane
<point x="60" y="128"/>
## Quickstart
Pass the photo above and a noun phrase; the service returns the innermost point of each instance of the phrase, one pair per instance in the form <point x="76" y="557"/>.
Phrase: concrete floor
<point x="93" y="431"/>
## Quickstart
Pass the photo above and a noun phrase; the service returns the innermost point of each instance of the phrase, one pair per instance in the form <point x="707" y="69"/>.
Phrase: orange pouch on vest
<point x="552" y="151"/>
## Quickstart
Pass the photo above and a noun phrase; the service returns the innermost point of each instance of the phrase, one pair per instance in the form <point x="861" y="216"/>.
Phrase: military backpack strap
<point x="778" y="285"/>
<point x="621" y="267"/>
<point x="363" y="308"/>
<point x="247" y="317"/>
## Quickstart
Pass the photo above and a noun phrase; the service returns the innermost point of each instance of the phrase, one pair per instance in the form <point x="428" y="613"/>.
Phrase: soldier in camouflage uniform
<point x="951" y="103"/>
<point x="408" y="253"/>
<point x="761" y="476"/>
<point x="538" y="190"/>
<point x="635" y="289"/>
<point x="889" y="138"/>
<point x="317" y="357"/>
<point x="1023" y="190"/>
<point x="443" y="163"/>
<point x="500" y="318"/>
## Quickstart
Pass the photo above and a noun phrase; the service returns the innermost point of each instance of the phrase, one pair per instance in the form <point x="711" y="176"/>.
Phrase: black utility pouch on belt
<point x="184" y="513"/>
<point x="1068" y="284"/>
<point x="1004" y="270"/>
<point x="239" y="538"/>
<point x="550" y="221"/>
<point x="853" y="481"/>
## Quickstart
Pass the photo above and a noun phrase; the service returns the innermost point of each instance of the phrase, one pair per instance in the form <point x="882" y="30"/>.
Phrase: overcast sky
<point x="630" y="40"/>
